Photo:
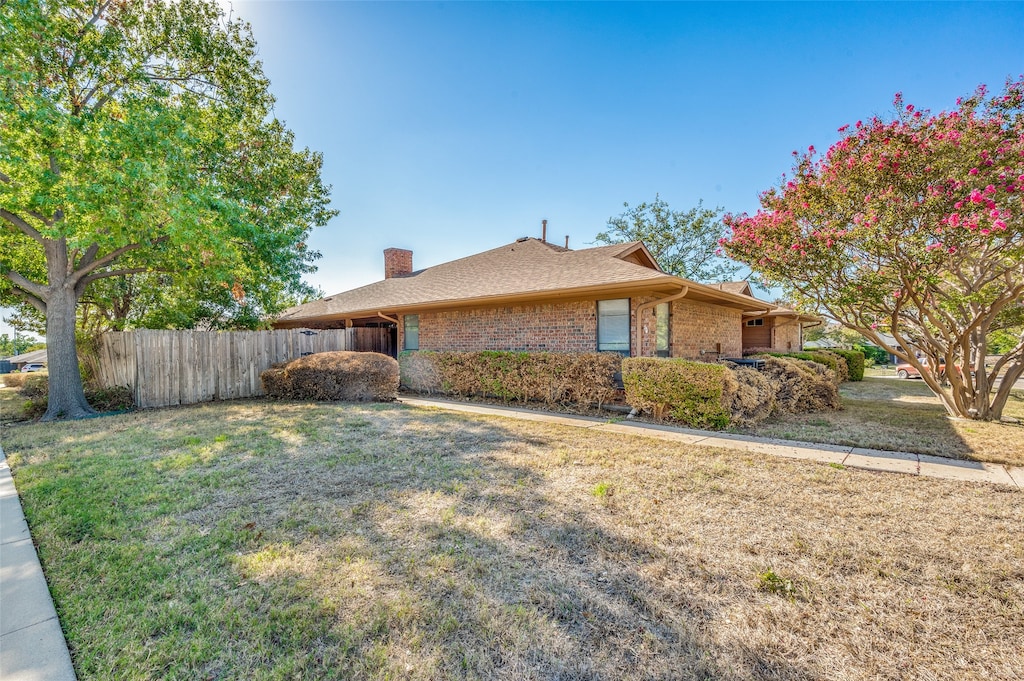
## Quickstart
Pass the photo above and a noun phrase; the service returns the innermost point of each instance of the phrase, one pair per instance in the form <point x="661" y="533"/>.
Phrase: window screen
<point x="613" y="325"/>
<point x="412" y="331"/>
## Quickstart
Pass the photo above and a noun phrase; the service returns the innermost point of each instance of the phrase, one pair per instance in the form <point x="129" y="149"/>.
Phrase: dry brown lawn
<point x="290" y="540"/>
<point x="887" y="413"/>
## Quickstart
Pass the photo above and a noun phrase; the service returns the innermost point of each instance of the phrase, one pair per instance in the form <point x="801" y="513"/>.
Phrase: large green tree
<point x="138" y="136"/>
<point x="685" y="243"/>
<point x="912" y="227"/>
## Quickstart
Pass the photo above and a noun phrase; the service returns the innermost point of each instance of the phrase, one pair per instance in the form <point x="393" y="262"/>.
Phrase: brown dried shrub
<point x="749" y="394"/>
<point x="15" y="380"/>
<point x="335" y="376"/>
<point x="801" y="386"/>
<point x="275" y="383"/>
<point x="419" y="372"/>
<point x="552" y="378"/>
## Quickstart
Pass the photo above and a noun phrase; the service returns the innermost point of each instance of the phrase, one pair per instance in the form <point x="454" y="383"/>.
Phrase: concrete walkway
<point x="32" y="646"/>
<point x="854" y="457"/>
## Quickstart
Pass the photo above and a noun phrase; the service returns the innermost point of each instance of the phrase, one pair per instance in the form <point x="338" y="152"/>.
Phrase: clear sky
<point x="452" y="128"/>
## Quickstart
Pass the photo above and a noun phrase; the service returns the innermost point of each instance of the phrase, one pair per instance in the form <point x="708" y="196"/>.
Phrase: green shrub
<point x="854" y="362"/>
<point x="836" y="364"/>
<point x="552" y="378"/>
<point x="874" y="354"/>
<point x="687" y="391"/>
<point x="335" y="376"/>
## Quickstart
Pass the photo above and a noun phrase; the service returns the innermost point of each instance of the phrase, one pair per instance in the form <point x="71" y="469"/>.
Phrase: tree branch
<point x="31" y="299"/>
<point x="27" y="285"/>
<point x="83" y="283"/>
<point x="95" y="264"/>
<point x="26" y="229"/>
<point x="89" y="256"/>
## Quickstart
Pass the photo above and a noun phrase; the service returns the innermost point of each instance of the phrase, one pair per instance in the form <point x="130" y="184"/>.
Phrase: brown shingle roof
<point x="524" y="268"/>
<point x="740" y="287"/>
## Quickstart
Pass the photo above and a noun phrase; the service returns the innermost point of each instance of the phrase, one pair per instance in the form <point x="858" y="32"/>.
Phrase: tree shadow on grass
<point x="346" y="541"/>
<point x="472" y="567"/>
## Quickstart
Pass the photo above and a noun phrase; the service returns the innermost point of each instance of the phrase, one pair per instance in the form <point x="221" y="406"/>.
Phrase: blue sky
<point x="452" y="128"/>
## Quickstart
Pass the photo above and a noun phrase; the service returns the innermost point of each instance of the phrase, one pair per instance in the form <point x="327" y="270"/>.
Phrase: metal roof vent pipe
<point x="544" y="231"/>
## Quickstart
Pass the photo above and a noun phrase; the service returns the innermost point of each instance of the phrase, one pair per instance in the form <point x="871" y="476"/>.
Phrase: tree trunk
<point x="66" y="395"/>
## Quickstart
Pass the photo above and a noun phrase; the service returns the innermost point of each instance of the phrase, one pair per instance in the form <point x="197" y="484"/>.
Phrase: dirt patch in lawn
<point x="289" y="540"/>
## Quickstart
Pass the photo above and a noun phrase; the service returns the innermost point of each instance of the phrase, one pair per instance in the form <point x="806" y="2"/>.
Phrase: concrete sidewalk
<point x="854" y="457"/>
<point x="32" y="645"/>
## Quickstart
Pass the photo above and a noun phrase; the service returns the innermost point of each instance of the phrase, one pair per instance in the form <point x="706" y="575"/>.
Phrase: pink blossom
<point x="932" y="247"/>
<point x="972" y="171"/>
<point x="975" y="196"/>
<point x="999" y="224"/>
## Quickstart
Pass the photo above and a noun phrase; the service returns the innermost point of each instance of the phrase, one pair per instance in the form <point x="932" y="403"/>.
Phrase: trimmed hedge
<point x="749" y="394"/>
<point x="843" y="368"/>
<point x="690" y="392"/>
<point x="855" y="360"/>
<point x="552" y="378"/>
<point x="801" y="385"/>
<point x="15" y="380"/>
<point x="334" y="376"/>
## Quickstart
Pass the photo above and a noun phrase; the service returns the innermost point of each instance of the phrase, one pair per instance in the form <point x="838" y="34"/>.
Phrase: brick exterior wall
<point x="397" y="262"/>
<point x="786" y="336"/>
<point x="701" y="326"/>
<point x="572" y="327"/>
<point x="555" y="327"/>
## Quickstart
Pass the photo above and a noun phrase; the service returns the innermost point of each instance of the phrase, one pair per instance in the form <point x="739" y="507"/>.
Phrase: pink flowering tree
<point x="911" y="228"/>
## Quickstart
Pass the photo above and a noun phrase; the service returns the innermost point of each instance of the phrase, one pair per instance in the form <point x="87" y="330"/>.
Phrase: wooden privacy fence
<point x="165" y="368"/>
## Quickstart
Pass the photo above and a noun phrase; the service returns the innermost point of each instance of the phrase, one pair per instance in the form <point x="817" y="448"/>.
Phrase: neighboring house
<point x="891" y="342"/>
<point x="34" y="357"/>
<point x="535" y="296"/>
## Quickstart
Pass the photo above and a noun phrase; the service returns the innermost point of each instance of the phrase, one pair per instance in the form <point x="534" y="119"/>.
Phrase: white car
<point x="33" y="366"/>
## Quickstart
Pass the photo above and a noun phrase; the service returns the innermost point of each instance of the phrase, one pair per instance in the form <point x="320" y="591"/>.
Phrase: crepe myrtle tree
<point x="912" y="227"/>
<point x="138" y="136"/>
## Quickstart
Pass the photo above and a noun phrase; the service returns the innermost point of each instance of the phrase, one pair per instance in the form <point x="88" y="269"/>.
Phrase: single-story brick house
<point x="532" y="295"/>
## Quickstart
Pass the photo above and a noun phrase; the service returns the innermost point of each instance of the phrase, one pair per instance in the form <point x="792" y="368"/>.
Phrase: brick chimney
<point x="397" y="262"/>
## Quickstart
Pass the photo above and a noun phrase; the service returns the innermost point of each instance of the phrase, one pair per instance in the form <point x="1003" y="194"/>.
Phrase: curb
<point x="31" y="640"/>
<point x="854" y="457"/>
